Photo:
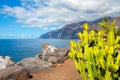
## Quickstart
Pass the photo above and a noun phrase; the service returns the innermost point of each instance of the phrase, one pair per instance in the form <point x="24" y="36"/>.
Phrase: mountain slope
<point x="70" y="31"/>
<point x="67" y="32"/>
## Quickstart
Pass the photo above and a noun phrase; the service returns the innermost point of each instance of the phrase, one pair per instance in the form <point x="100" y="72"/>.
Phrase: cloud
<point x="22" y="35"/>
<point x="53" y="28"/>
<point x="45" y="28"/>
<point x="44" y="13"/>
<point x="11" y="35"/>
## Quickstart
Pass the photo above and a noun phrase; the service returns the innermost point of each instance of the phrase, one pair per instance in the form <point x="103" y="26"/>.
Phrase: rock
<point x="52" y="54"/>
<point x="63" y="52"/>
<point x="5" y="62"/>
<point x="34" y="65"/>
<point x="48" y="50"/>
<point x="14" y="73"/>
<point x="54" y="59"/>
<point x="58" y="65"/>
<point x="48" y="57"/>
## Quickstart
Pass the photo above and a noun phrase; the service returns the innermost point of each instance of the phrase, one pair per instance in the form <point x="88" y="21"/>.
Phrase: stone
<point x="58" y="65"/>
<point x="63" y="52"/>
<point x="34" y="65"/>
<point x="14" y="73"/>
<point x="6" y="61"/>
<point x="48" y="49"/>
<point x="54" y="59"/>
<point x="52" y="54"/>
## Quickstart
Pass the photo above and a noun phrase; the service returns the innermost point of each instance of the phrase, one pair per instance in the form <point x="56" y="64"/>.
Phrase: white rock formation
<point x="5" y="62"/>
<point x="49" y="50"/>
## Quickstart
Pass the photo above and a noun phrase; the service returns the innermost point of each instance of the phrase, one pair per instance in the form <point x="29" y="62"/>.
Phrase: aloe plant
<point x="96" y="57"/>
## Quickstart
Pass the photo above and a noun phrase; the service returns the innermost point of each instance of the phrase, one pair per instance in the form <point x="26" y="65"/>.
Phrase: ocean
<point x="23" y="48"/>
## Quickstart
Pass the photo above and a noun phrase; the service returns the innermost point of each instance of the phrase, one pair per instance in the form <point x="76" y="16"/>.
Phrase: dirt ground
<point x="65" y="71"/>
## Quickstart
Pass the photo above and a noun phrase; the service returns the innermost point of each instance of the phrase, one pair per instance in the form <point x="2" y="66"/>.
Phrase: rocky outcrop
<point x="14" y="73"/>
<point x="8" y="70"/>
<point x="5" y="62"/>
<point x="48" y="50"/>
<point x="32" y="65"/>
<point x="48" y="57"/>
<point x="52" y="54"/>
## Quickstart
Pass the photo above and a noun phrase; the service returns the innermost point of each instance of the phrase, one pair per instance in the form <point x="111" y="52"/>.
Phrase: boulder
<point x="34" y="65"/>
<point x="48" y="50"/>
<point x="6" y="61"/>
<point x="54" y="59"/>
<point x="14" y="73"/>
<point x="52" y="54"/>
<point x="63" y="52"/>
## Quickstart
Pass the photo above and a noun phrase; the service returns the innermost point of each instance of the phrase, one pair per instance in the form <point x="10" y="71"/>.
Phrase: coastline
<point x="19" y="49"/>
<point x="48" y="60"/>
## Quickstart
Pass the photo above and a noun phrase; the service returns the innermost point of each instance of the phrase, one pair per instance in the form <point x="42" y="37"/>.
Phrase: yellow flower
<point x="114" y="67"/>
<point x="110" y="61"/>
<point x="80" y="35"/>
<point x="106" y="49"/>
<point x="99" y="33"/>
<point x="70" y="54"/>
<point x="92" y="35"/>
<point x="107" y="76"/>
<point x="118" y="59"/>
<point x="80" y="55"/>
<point x="73" y="43"/>
<point x="111" y="50"/>
<point x="117" y="39"/>
<point x="85" y="25"/>
<point x="102" y="62"/>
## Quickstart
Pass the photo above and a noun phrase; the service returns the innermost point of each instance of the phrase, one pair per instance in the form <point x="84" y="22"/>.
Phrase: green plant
<point x="118" y="31"/>
<point x="106" y="25"/>
<point x="96" y="57"/>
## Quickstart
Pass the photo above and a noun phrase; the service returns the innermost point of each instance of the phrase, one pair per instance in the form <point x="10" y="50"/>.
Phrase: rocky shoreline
<point x="22" y="70"/>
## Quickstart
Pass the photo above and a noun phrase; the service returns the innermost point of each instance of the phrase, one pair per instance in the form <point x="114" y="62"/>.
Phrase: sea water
<point x="23" y="48"/>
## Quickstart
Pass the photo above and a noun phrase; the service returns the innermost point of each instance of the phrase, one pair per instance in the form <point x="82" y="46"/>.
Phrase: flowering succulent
<point x="96" y="57"/>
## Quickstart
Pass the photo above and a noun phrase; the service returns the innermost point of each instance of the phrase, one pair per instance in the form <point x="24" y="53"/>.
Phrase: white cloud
<point x="43" y="13"/>
<point x="11" y="35"/>
<point x="22" y="35"/>
<point x="53" y="28"/>
<point x="45" y="28"/>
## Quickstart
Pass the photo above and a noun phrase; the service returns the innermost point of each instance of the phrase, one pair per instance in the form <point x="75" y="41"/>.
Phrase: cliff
<point x="70" y="31"/>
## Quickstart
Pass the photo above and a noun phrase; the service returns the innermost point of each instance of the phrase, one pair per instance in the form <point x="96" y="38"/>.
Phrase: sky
<point x="22" y="19"/>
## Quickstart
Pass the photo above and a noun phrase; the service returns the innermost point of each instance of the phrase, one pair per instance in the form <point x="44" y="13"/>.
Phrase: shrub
<point x="96" y="57"/>
<point x="106" y="25"/>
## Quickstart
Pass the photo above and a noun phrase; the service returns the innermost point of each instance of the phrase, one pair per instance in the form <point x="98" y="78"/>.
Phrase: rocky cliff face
<point x="70" y="31"/>
<point x="67" y="32"/>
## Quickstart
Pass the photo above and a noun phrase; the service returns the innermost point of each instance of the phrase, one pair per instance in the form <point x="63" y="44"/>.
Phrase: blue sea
<point x="22" y="48"/>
